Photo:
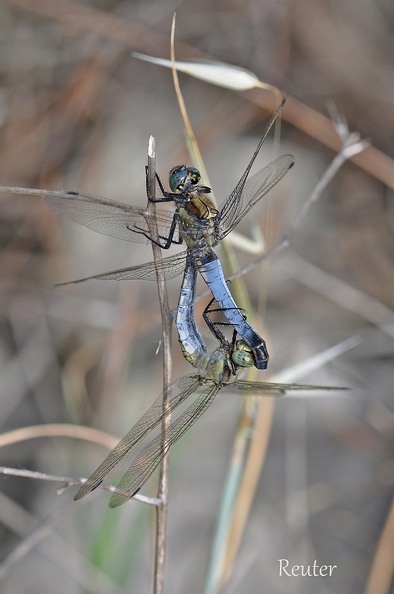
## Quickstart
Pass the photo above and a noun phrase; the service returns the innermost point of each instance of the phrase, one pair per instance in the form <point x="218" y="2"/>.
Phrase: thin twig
<point x="161" y="515"/>
<point x="191" y="140"/>
<point x="69" y="481"/>
<point x="106" y="440"/>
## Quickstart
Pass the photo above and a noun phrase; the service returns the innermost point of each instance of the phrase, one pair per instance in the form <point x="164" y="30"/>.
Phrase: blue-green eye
<point x="180" y="175"/>
<point x="193" y="175"/>
<point x="177" y="177"/>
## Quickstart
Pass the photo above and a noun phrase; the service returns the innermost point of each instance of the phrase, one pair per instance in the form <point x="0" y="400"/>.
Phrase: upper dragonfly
<point x="197" y="222"/>
<point x="217" y="369"/>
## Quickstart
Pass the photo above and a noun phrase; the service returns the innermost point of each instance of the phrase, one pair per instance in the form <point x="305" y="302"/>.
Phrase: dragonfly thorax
<point x="198" y="226"/>
<point x="216" y="366"/>
<point x="202" y="207"/>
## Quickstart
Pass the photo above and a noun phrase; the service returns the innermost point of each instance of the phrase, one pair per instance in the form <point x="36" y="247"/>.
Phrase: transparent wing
<point x="170" y="267"/>
<point x="177" y="393"/>
<point x="108" y="216"/>
<point x="147" y="460"/>
<point x="247" y="193"/>
<point x="265" y="387"/>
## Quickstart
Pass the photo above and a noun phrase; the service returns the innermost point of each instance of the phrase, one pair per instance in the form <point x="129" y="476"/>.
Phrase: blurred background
<point x="76" y="112"/>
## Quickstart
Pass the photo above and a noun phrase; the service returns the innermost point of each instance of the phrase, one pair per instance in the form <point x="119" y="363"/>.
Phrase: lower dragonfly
<point x="217" y="370"/>
<point x="196" y="222"/>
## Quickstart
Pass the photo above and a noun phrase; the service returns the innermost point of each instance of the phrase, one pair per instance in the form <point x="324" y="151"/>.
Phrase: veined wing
<point x="259" y="388"/>
<point x="147" y="460"/>
<point x="178" y="391"/>
<point x="170" y="267"/>
<point x="108" y="216"/>
<point x="247" y="193"/>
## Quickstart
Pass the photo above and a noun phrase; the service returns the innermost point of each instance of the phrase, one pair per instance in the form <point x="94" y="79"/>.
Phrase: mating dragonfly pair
<point x="201" y="226"/>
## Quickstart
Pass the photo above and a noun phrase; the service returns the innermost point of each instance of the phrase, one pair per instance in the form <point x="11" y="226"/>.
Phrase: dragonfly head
<point x="182" y="178"/>
<point x="243" y="355"/>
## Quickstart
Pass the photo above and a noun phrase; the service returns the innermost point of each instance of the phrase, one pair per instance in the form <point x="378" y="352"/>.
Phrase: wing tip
<point x="85" y="489"/>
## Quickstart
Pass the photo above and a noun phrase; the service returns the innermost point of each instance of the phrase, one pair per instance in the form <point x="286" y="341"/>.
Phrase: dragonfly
<point x="196" y="222"/>
<point x="218" y="369"/>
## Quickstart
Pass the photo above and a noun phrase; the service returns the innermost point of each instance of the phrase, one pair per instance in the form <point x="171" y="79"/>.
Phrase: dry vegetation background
<point x="76" y="111"/>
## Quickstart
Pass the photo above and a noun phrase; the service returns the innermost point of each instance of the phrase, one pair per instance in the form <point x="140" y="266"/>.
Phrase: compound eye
<point x="178" y="176"/>
<point x="194" y="175"/>
<point x="242" y="358"/>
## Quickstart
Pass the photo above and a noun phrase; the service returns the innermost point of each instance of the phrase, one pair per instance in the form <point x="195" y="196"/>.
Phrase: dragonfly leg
<point x="168" y="241"/>
<point x="167" y="196"/>
<point x="213" y="326"/>
<point x="140" y="231"/>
